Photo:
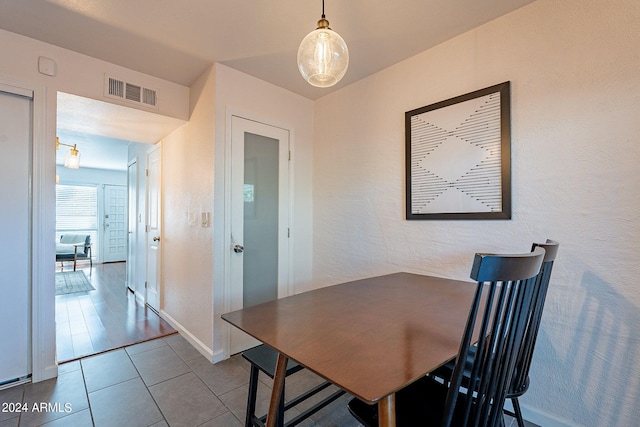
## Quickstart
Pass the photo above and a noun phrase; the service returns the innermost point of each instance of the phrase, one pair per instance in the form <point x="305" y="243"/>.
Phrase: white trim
<point x="43" y="339"/>
<point x="17" y="90"/>
<point x="226" y="340"/>
<point x="193" y="340"/>
<point x="292" y="239"/>
<point x="45" y="364"/>
<point x="131" y="263"/>
<point x="156" y="147"/>
<point x="230" y="112"/>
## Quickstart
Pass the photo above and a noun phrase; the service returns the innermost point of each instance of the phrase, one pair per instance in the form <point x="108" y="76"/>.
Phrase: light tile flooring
<point x="162" y="382"/>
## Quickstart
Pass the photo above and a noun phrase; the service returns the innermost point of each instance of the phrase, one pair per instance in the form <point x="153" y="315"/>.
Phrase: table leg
<point x="387" y="411"/>
<point x="278" y="388"/>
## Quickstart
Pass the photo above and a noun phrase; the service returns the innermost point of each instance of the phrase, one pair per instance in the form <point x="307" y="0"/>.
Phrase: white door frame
<point x="43" y="338"/>
<point x="230" y="113"/>
<point x="132" y="223"/>
<point x="15" y="310"/>
<point x="152" y="235"/>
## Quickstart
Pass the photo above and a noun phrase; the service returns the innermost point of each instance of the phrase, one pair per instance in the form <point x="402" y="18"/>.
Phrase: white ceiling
<point x="177" y="40"/>
<point x="103" y="131"/>
<point x="96" y="152"/>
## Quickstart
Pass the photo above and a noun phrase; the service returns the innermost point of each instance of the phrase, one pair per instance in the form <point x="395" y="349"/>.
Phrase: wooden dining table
<point x="370" y="337"/>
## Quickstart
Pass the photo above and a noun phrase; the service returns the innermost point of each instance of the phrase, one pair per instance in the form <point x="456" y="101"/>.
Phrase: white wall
<point x="83" y="75"/>
<point x="574" y="67"/>
<point x="187" y="179"/>
<point x="253" y="98"/>
<point x="91" y="176"/>
<point x="194" y="165"/>
<point x="78" y="75"/>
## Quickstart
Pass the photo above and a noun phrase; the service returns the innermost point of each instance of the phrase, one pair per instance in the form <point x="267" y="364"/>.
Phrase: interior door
<point x="154" y="227"/>
<point x="115" y="223"/>
<point x="132" y="223"/>
<point x="15" y="228"/>
<point x="259" y="246"/>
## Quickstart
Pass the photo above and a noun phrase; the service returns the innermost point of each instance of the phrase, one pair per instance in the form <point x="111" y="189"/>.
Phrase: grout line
<point x="86" y="392"/>
<point x="145" y="384"/>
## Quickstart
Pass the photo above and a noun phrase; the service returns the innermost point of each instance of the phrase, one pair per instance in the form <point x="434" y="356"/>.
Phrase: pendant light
<point x="323" y="56"/>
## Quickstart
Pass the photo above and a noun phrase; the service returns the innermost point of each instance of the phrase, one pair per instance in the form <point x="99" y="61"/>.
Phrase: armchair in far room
<point x="73" y="247"/>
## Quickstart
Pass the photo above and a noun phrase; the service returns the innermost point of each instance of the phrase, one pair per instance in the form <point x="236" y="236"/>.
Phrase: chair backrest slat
<point x="501" y="308"/>
<point x="520" y="381"/>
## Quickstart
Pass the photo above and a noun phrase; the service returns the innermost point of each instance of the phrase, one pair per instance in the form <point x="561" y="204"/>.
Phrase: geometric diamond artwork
<point x="455" y="158"/>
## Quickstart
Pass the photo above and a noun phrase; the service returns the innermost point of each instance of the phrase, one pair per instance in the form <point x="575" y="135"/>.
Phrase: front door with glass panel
<point x="259" y="248"/>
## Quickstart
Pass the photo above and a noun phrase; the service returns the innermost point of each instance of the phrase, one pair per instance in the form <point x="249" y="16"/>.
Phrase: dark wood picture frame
<point x="458" y="157"/>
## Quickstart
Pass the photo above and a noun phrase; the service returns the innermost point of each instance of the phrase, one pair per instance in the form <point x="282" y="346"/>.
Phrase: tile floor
<point x="162" y="382"/>
<point x="156" y="383"/>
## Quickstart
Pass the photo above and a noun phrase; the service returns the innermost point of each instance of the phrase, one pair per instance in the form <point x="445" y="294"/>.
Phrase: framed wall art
<point x="458" y="157"/>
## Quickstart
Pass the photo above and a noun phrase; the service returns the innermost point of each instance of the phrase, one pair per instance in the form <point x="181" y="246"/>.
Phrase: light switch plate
<point x="206" y="219"/>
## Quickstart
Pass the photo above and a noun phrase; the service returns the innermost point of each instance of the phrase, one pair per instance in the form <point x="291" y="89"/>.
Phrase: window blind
<point x="77" y="212"/>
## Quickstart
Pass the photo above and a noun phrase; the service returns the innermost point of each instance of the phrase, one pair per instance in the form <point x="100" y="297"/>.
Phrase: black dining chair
<point x="496" y="325"/>
<point x="263" y="358"/>
<point x="520" y="382"/>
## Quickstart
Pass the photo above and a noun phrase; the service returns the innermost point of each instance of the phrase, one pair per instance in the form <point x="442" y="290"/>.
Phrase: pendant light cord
<point x="323" y="17"/>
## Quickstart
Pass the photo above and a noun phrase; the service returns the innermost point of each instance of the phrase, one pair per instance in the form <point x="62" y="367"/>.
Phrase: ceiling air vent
<point x="149" y="96"/>
<point x="133" y="92"/>
<point x="116" y="88"/>
<point x="120" y="89"/>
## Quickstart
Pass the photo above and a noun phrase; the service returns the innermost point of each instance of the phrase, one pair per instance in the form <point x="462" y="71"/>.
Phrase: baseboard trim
<point x="193" y="340"/>
<point x="218" y="356"/>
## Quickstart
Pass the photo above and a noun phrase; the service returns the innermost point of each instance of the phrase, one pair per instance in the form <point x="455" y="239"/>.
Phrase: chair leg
<point x="253" y="393"/>
<point x="517" y="411"/>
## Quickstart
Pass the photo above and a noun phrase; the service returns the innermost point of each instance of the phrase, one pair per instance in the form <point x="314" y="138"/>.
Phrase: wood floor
<point x="103" y="319"/>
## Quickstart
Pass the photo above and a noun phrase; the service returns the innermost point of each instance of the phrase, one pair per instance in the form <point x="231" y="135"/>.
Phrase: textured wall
<point x="575" y="73"/>
<point x="187" y="182"/>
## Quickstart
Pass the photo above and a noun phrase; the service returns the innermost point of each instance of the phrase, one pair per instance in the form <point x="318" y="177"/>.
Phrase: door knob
<point x="156" y="239"/>
<point x="238" y="249"/>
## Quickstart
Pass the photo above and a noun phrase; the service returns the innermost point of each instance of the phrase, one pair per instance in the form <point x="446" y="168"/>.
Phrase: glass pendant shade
<point x="72" y="159"/>
<point x="323" y="56"/>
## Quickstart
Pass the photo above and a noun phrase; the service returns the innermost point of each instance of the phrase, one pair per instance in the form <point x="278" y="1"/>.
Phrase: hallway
<point x="103" y="319"/>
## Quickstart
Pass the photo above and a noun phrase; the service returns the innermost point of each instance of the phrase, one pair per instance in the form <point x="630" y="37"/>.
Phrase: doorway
<point x="259" y="220"/>
<point x="113" y="314"/>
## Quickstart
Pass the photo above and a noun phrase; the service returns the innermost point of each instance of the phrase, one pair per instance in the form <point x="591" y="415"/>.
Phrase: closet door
<point x="15" y="229"/>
